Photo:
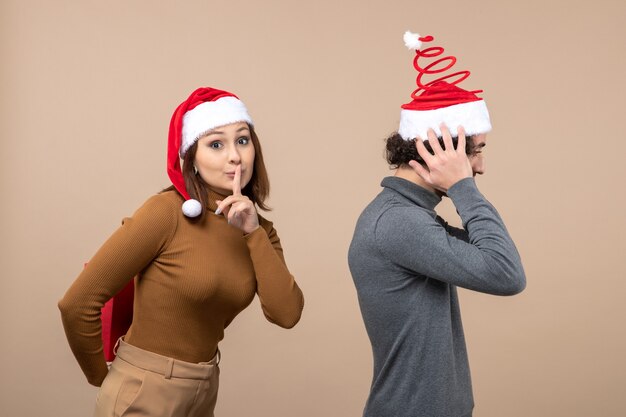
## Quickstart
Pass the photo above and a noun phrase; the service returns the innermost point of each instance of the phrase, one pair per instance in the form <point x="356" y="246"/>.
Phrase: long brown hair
<point x="257" y="190"/>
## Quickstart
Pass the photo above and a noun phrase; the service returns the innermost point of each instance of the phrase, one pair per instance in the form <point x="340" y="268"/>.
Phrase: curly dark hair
<point x="399" y="151"/>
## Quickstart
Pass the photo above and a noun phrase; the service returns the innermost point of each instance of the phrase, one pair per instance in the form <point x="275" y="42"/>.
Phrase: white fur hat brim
<point x="209" y="115"/>
<point x="473" y="116"/>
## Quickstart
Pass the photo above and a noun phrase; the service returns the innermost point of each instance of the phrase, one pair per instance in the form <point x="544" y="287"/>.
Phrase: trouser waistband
<point x="168" y="367"/>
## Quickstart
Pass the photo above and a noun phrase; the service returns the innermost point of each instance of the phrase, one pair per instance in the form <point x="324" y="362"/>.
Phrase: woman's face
<point x="220" y="151"/>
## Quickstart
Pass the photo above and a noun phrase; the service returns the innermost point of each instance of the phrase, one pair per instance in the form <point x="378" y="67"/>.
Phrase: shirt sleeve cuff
<point x="256" y="237"/>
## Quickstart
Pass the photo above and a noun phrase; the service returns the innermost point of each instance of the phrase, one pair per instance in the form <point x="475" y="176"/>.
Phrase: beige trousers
<point x="142" y="383"/>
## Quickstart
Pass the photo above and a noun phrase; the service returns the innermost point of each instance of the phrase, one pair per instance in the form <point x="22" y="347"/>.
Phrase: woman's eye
<point x="215" y="145"/>
<point x="243" y="140"/>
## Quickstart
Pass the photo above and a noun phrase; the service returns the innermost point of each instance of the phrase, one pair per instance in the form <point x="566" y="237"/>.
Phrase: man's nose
<point x="479" y="167"/>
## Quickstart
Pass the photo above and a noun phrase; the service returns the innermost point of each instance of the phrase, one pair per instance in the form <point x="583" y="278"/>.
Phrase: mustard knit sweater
<point x="194" y="277"/>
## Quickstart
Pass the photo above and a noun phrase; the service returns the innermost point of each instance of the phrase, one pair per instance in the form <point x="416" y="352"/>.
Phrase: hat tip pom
<point x="412" y="40"/>
<point x="192" y="208"/>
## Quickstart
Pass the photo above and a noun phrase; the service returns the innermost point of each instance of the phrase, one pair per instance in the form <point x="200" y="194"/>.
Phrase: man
<point x="406" y="261"/>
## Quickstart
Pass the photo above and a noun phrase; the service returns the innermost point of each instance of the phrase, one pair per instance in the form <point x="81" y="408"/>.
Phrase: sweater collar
<point x="213" y="195"/>
<point x="411" y="191"/>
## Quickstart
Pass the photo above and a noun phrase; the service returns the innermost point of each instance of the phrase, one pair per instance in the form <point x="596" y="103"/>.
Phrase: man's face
<point x="478" y="159"/>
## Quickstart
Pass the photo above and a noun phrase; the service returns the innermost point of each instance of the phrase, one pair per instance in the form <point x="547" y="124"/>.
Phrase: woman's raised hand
<point x="238" y="208"/>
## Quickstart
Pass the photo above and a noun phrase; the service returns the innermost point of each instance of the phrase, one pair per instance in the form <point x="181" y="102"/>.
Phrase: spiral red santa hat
<point x="440" y="100"/>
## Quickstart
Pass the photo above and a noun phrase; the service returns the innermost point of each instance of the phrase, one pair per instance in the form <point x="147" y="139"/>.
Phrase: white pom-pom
<point x="412" y="40"/>
<point x="192" y="208"/>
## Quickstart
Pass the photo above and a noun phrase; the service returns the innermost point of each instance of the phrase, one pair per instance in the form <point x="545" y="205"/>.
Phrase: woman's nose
<point x="234" y="156"/>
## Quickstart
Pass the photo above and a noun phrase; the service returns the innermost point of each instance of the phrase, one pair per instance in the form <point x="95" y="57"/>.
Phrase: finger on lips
<point x="237" y="181"/>
<point x="236" y="204"/>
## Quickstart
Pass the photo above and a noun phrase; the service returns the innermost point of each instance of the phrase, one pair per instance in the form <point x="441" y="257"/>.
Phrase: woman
<point x="196" y="269"/>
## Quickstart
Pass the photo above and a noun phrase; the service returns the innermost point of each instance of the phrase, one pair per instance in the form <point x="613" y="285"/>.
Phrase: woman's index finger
<point x="237" y="181"/>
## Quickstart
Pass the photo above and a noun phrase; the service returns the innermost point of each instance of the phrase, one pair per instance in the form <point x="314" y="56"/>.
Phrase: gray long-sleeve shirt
<point x="406" y="263"/>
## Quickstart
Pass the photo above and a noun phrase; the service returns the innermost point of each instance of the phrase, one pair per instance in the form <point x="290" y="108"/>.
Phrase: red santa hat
<point x="204" y="110"/>
<point x="440" y="100"/>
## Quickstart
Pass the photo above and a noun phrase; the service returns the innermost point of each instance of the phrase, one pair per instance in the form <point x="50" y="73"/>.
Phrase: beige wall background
<point x="87" y="91"/>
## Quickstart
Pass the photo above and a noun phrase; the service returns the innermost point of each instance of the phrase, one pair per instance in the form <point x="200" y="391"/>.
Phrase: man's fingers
<point x="237" y="181"/>
<point x="447" y="138"/>
<point x="434" y="142"/>
<point x="422" y="151"/>
<point x="460" y="147"/>
<point x="420" y="170"/>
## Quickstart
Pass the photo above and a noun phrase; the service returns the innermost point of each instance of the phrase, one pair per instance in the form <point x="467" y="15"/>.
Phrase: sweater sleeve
<point x="129" y="250"/>
<point x="454" y="231"/>
<point x="486" y="260"/>
<point x="281" y="298"/>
